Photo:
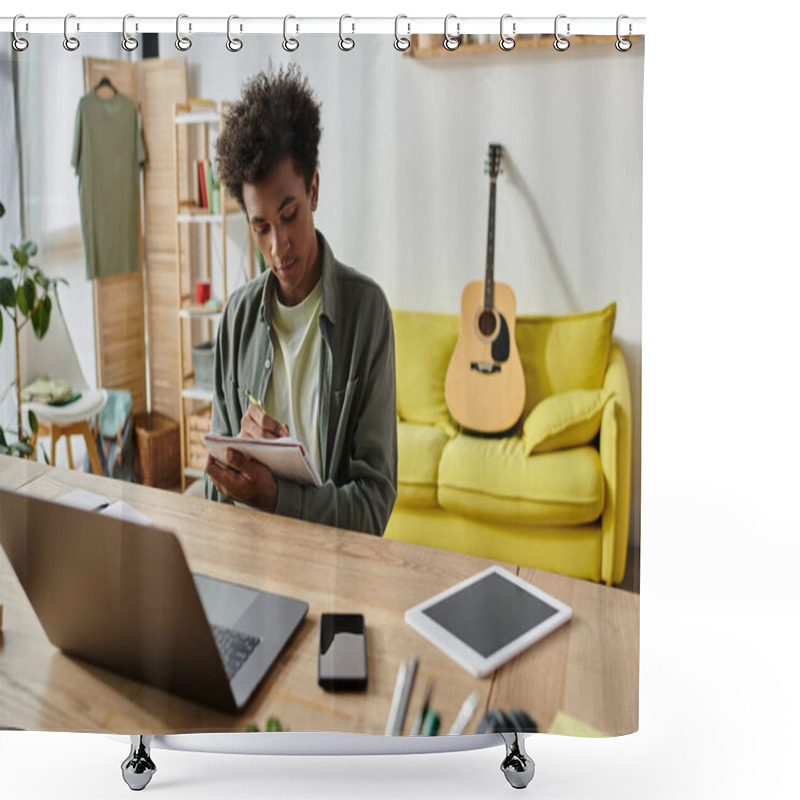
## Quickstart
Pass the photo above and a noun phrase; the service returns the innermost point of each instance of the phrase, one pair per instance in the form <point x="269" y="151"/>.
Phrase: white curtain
<point x="11" y="223"/>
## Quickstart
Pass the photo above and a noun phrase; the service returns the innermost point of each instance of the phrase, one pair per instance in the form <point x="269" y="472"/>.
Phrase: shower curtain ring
<point x="183" y="43"/>
<point x="18" y="43"/>
<point x="507" y="42"/>
<point x="233" y="44"/>
<point x="70" y="42"/>
<point x="346" y="42"/>
<point x="451" y="42"/>
<point x="401" y="43"/>
<point x="560" y="43"/>
<point x="129" y="43"/>
<point x="289" y="44"/>
<point x="622" y="44"/>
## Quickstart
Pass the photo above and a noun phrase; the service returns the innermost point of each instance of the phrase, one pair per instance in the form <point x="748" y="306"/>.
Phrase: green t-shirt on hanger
<point x="107" y="154"/>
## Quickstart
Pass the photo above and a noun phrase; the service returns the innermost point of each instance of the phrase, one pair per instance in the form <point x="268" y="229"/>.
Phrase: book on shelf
<point x="208" y="195"/>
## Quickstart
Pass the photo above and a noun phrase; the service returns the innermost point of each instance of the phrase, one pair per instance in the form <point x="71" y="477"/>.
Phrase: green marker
<point x="430" y="725"/>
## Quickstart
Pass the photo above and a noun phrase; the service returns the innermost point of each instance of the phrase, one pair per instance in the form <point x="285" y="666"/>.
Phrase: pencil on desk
<point x="416" y="728"/>
<point x="411" y="672"/>
<point x="465" y="714"/>
<point x="399" y="685"/>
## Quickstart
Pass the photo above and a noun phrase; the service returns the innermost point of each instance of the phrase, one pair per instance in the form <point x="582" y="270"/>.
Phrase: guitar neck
<point x="488" y="289"/>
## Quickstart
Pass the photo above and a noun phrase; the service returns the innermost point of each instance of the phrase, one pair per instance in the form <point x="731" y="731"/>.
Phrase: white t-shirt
<point x="293" y="393"/>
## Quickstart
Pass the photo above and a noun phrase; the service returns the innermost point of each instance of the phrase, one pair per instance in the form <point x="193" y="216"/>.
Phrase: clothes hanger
<point x="104" y="81"/>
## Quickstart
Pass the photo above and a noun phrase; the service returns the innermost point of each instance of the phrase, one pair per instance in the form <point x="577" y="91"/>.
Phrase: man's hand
<point x="257" y="424"/>
<point x="244" y="479"/>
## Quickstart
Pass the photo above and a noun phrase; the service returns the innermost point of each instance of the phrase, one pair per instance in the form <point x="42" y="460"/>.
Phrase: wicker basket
<point x="199" y="425"/>
<point x="159" y="442"/>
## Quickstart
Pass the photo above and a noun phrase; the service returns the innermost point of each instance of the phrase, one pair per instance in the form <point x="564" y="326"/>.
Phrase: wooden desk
<point x="588" y="668"/>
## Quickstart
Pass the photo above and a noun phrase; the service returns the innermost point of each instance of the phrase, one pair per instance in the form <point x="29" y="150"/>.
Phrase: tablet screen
<point x="490" y="613"/>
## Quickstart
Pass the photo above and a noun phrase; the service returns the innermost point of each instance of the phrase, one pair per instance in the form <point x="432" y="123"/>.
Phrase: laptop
<point x="120" y="595"/>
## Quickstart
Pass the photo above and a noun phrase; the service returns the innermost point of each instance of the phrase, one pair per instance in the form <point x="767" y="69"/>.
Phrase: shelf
<point x="423" y="50"/>
<point x="197" y="393"/>
<point x="194" y="311"/>
<point x="199" y="215"/>
<point x="197" y="118"/>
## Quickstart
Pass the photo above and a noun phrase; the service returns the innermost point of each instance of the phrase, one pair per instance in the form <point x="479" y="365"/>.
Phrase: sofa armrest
<point x="615" y="458"/>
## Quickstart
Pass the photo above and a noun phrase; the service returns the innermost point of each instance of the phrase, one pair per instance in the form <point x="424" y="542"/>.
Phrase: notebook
<point x="286" y="456"/>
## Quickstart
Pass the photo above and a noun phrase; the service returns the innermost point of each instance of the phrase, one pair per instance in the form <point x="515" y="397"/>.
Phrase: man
<point x="311" y="340"/>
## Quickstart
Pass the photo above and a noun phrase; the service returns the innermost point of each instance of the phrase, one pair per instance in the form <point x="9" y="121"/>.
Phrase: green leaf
<point x="29" y="247"/>
<point x="274" y="725"/>
<point x="40" y="278"/>
<point x="41" y="317"/>
<point x="3" y="262"/>
<point x="23" y="448"/>
<point x="4" y="451"/>
<point x="2" y="210"/>
<point x="46" y="459"/>
<point x="33" y="422"/>
<point x="26" y="296"/>
<point x="251" y="728"/>
<point x="22" y="302"/>
<point x="20" y="256"/>
<point x="8" y="296"/>
<point x="3" y="441"/>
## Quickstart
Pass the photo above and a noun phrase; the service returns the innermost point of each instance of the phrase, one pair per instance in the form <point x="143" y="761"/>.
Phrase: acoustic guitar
<point x="485" y="385"/>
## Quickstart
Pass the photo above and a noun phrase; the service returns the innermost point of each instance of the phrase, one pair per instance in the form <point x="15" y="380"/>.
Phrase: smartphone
<point x="342" y="664"/>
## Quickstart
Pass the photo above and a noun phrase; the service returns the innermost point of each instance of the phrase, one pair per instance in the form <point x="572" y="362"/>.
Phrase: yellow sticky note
<point x="565" y="725"/>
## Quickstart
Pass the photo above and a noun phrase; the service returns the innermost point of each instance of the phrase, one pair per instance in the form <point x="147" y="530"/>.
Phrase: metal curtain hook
<point x="18" y="43"/>
<point x="233" y="44"/>
<point x="622" y="44"/>
<point x="70" y="42"/>
<point x="129" y="43"/>
<point x="183" y="43"/>
<point x="451" y="42"/>
<point x="507" y="42"/>
<point x="401" y="43"/>
<point x="289" y="44"/>
<point x="345" y="42"/>
<point x="560" y="43"/>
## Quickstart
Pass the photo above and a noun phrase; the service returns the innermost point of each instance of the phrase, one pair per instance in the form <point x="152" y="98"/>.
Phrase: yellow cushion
<point x="564" y="420"/>
<point x="495" y="479"/>
<point x="419" y="448"/>
<point x="565" y="352"/>
<point x="424" y="343"/>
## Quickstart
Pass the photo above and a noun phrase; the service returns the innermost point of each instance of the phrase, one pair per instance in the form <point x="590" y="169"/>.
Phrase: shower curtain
<point x="472" y="397"/>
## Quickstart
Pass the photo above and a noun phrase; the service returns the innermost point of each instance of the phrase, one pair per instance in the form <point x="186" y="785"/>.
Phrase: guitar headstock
<point x="493" y="164"/>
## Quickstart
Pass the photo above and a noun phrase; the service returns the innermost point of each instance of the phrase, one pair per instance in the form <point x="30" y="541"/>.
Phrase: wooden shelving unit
<point x="429" y="46"/>
<point x="193" y="222"/>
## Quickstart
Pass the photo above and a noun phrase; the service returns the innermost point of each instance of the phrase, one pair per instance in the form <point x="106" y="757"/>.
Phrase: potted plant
<point x="26" y="296"/>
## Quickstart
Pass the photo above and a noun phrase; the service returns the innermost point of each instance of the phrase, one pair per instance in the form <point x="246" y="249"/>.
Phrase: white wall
<point x="404" y="196"/>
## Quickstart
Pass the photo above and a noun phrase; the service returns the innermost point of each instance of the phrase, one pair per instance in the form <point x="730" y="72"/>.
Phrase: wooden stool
<point x="76" y="428"/>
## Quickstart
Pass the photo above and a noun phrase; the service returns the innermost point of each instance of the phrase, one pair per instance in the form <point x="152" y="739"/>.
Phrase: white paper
<point x="87" y="501"/>
<point x="127" y="513"/>
<point x="286" y="457"/>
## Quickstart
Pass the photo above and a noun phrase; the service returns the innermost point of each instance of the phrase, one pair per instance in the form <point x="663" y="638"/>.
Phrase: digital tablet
<point x="488" y="619"/>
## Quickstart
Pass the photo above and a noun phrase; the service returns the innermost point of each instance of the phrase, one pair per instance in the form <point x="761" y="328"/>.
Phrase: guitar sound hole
<point x="486" y="323"/>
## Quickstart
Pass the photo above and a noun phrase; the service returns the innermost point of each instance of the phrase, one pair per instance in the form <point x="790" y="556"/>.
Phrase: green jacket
<point x="358" y="407"/>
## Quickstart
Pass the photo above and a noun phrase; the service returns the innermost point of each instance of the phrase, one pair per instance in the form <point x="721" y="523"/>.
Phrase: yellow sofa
<point x="555" y="494"/>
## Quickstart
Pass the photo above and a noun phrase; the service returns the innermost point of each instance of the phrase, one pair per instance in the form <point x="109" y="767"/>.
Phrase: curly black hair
<point x="277" y="117"/>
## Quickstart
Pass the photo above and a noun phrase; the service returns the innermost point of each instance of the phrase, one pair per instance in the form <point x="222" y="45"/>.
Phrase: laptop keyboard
<point x="234" y="647"/>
